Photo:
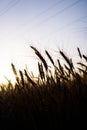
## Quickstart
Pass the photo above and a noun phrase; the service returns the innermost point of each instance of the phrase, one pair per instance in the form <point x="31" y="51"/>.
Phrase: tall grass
<point x="51" y="101"/>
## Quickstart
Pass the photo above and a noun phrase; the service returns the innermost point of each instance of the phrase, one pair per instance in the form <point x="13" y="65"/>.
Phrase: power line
<point x="56" y="14"/>
<point x="61" y="11"/>
<point x="11" y="4"/>
<point x="11" y="1"/>
<point x="43" y="12"/>
<point x="49" y="8"/>
<point x="40" y="14"/>
<point x="65" y="26"/>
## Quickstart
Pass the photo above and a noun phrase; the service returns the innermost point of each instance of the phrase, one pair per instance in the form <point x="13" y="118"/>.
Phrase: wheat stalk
<point x="29" y="79"/>
<point x="22" y="77"/>
<point x="67" y="60"/>
<point x="41" y="71"/>
<point x="15" y="72"/>
<point x="80" y="55"/>
<point x="40" y="57"/>
<point x="47" y="53"/>
<point x="85" y="57"/>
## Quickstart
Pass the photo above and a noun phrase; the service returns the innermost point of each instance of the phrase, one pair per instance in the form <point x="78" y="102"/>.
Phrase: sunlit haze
<point x="45" y="24"/>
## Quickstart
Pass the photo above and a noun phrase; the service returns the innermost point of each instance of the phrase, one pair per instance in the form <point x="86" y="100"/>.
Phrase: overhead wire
<point x="64" y="27"/>
<point x="10" y="5"/>
<point x="61" y="11"/>
<point x="42" y="13"/>
<point x="54" y="15"/>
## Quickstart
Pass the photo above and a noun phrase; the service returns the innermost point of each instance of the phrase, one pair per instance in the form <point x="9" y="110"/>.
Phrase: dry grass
<point x="52" y="101"/>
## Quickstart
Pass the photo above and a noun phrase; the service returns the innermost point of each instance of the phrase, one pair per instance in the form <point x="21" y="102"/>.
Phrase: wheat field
<point x="56" y="99"/>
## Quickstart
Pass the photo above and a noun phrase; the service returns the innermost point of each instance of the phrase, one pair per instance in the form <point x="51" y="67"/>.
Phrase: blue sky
<point x="46" y="24"/>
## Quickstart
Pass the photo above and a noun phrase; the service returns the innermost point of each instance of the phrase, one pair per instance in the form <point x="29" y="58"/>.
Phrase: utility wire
<point x="56" y="14"/>
<point x="44" y="12"/>
<point x="65" y="26"/>
<point x="11" y="4"/>
<point x="61" y="11"/>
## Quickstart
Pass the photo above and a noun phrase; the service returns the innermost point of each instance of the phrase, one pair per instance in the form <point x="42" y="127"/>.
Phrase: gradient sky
<point x="45" y="24"/>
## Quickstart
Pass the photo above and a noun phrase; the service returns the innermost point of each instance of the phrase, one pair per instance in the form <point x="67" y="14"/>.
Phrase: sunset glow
<point x="47" y="24"/>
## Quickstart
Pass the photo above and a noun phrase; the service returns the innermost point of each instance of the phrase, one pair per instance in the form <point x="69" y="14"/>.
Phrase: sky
<point x="45" y="24"/>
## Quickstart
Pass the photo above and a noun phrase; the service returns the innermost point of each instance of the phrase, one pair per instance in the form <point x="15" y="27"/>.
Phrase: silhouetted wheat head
<point x="56" y="97"/>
